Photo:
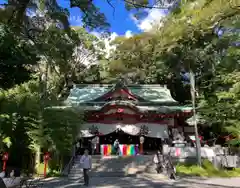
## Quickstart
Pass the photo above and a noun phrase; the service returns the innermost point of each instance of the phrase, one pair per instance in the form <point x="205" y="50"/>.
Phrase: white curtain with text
<point x="154" y="130"/>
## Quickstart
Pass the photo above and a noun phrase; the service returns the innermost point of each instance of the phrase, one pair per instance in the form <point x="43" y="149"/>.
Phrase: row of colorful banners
<point x="124" y="150"/>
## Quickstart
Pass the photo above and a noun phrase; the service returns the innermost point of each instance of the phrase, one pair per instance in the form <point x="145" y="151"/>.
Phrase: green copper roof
<point x="86" y="93"/>
<point x="153" y="93"/>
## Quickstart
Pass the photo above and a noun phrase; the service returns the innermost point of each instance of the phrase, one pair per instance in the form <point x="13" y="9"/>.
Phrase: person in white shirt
<point x="158" y="161"/>
<point x="86" y="162"/>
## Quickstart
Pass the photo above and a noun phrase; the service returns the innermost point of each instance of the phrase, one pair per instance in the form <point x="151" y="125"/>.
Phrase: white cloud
<point x="154" y="17"/>
<point x="128" y="34"/>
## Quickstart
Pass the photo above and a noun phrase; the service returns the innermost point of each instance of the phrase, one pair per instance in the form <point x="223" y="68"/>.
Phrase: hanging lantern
<point x="5" y="156"/>
<point x="46" y="156"/>
<point x="141" y="139"/>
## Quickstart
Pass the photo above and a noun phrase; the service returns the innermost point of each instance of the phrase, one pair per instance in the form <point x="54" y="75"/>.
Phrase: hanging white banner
<point x="154" y="130"/>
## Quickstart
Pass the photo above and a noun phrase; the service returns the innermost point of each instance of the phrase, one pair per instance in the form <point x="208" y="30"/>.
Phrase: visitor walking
<point x="136" y="149"/>
<point x="116" y="146"/>
<point x="86" y="162"/>
<point x="158" y="161"/>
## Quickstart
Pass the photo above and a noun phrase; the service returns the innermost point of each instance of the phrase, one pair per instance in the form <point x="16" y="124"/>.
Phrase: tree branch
<point x="108" y="1"/>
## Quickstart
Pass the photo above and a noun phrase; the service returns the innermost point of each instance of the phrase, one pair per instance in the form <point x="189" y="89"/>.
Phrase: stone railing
<point x="219" y="156"/>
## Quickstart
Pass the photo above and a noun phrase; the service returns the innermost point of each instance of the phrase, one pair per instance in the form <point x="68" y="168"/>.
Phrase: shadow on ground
<point x="124" y="182"/>
<point x="112" y="174"/>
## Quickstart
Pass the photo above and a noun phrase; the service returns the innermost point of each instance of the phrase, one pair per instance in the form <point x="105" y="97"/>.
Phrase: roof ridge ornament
<point x="121" y="83"/>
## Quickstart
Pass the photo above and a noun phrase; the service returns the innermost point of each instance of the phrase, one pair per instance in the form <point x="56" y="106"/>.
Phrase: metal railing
<point x="67" y="168"/>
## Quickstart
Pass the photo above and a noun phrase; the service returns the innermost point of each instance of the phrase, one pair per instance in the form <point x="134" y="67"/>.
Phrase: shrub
<point x="207" y="170"/>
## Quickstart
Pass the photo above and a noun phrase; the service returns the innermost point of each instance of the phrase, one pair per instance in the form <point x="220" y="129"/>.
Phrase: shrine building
<point x="128" y="112"/>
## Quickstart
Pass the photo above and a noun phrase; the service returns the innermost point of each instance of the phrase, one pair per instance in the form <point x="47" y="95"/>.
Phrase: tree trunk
<point x="37" y="158"/>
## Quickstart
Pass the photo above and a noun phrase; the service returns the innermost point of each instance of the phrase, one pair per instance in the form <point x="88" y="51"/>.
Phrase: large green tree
<point x="189" y="40"/>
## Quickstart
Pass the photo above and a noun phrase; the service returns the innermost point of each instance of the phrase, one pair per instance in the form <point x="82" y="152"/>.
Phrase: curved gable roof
<point x="86" y="93"/>
<point x="153" y="93"/>
<point x="91" y="93"/>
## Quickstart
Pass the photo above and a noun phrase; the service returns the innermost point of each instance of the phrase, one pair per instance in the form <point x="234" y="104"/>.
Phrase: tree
<point x="22" y="116"/>
<point x="190" y="40"/>
<point x="42" y="51"/>
<point x="16" y="57"/>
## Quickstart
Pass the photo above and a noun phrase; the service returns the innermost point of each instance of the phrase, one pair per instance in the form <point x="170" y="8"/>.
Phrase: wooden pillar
<point x="141" y="148"/>
<point x="97" y="144"/>
<point x="97" y="148"/>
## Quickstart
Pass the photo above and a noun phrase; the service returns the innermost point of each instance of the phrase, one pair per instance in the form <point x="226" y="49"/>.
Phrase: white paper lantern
<point x="142" y="140"/>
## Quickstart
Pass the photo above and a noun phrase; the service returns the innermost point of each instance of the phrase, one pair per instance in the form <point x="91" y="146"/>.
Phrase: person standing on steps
<point x="116" y="146"/>
<point x="86" y="162"/>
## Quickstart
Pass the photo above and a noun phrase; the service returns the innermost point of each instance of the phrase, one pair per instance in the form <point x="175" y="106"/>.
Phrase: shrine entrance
<point x="123" y="138"/>
<point x="131" y="143"/>
<point x="150" y="144"/>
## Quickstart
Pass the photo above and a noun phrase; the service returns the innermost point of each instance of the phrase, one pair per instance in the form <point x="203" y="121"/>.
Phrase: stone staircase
<point x="114" y="166"/>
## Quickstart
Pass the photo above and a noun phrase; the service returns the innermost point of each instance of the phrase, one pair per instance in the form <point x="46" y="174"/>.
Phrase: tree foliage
<point x="197" y="35"/>
<point x="41" y="55"/>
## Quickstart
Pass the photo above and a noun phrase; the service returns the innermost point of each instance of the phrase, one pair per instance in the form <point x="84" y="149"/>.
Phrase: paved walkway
<point x="144" y="181"/>
<point x="227" y="182"/>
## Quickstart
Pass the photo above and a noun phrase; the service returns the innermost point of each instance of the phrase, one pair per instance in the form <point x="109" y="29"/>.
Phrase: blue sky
<point x="121" y="20"/>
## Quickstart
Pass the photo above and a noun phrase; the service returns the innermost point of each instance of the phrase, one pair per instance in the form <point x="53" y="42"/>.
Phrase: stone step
<point x="76" y="171"/>
<point x="110" y="174"/>
<point x="114" y="166"/>
<point x="127" y="170"/>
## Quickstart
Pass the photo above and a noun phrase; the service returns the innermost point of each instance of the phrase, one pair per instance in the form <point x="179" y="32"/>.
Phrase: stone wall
<point x="219" y="156"/>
